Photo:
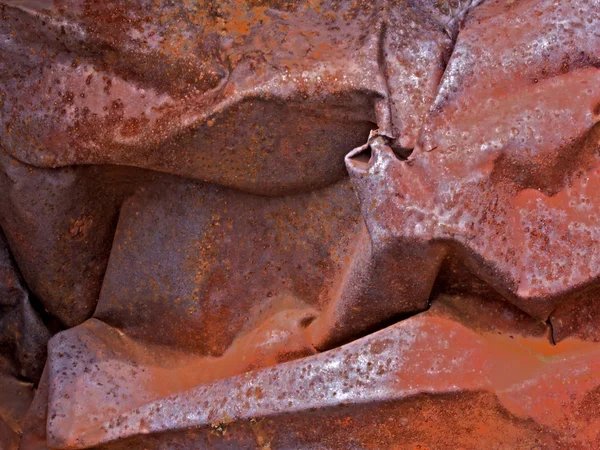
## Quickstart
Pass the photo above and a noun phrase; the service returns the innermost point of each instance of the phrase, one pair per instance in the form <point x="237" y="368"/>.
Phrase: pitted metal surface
<point x="299" y="225"/>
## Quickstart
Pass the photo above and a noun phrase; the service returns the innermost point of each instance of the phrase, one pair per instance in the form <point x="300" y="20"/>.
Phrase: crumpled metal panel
<point x="23" y="339"/>
<point x="174" y="195"/>
<point x="541" y="390"/>
<point x="264" y="99"/>
<point x="60" y="226"/>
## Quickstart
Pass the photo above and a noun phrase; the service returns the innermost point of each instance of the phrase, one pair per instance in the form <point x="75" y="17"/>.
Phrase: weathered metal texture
<point x="478" y="356"/>
<point x="263" y="99"/>
<point x="60" y="226"/>
<point x="173" y="193"/>
<point x="23" y="338"/>
<point x="502" y="178"/>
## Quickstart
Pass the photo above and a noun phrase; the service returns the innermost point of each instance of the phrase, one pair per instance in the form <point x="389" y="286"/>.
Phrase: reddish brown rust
<point x="184" y="263"/>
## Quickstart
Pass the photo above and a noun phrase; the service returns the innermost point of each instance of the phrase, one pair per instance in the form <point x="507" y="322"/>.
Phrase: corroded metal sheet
<point x="296" y="225"/>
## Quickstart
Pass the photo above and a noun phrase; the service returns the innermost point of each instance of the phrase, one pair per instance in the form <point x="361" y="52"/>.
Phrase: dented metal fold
<point x="177" y="212"/>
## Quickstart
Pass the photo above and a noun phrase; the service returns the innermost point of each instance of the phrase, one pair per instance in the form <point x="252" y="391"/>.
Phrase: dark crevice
<point x="363" y="158"/>
<point x="382" y="324"/>
<point x="402" y="153"/>
<point x="23" y="379"/>
<point x="551" y="332"/>
<point x="114" y="226"/>
<point x="52" y="323"/>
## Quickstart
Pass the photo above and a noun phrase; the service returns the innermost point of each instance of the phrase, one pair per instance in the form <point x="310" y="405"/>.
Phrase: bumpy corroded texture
<point x="175" y="210"/>
<point x="264" y="99"/>
<point x="23" y="338"/>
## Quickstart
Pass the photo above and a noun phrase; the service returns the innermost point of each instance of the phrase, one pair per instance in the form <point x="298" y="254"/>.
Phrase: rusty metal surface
<point x="23" y="338"/>
<point x="263" y="99"/>
<point x="176" y="213"/>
